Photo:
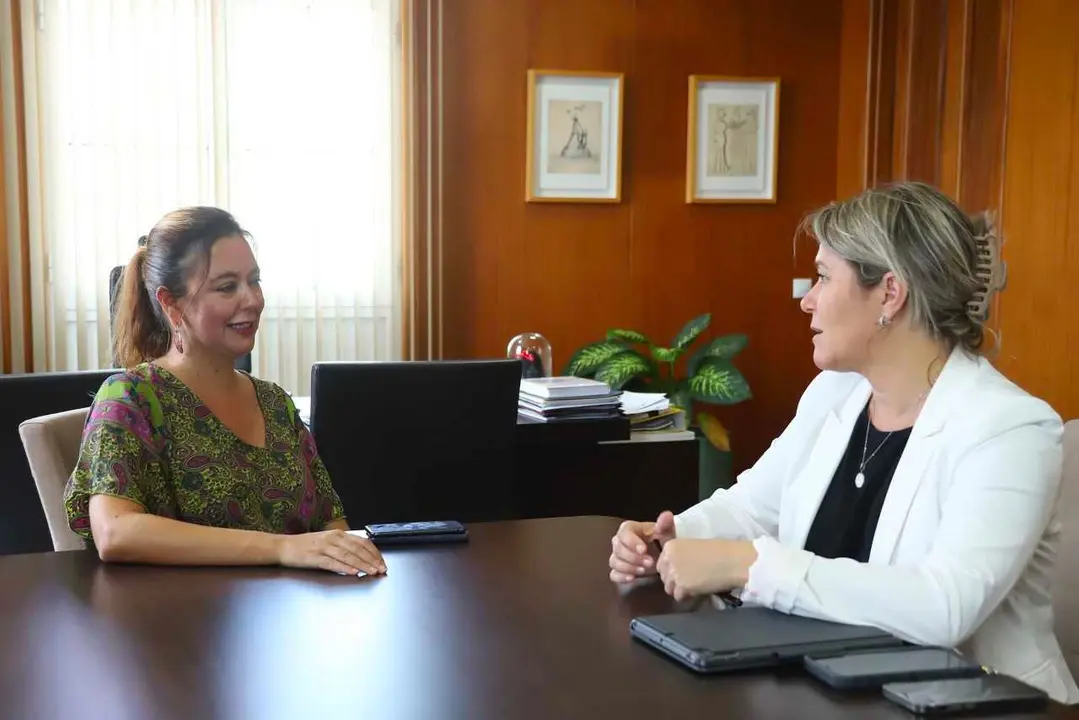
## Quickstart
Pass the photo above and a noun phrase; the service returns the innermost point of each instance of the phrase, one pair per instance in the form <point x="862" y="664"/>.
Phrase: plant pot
<point x="714" y="468"/>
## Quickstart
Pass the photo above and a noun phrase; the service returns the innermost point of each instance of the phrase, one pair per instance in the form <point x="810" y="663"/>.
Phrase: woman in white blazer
<point x="915" y="488"/>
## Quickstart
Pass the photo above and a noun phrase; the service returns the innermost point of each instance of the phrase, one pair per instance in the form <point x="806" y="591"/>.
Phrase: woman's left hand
<point x="697" y="567"/>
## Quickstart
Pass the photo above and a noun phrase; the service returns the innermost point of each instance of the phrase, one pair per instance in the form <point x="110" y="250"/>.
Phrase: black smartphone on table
<point x="870" y="669"/>
<point x="412" y="533"/>
<point x="991" y="693"/>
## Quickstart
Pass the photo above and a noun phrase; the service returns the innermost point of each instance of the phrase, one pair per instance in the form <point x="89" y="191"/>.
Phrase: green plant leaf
<point x="691" y="330"/>
<point x="681" y="398"/>
<point x="719" y="382"/>
<point x="725" y="347"/>
<point x="622" y="368"/>
<point x="668" y="355"/>
<point x="588" y="359"/>
<point x="627" y="336"/>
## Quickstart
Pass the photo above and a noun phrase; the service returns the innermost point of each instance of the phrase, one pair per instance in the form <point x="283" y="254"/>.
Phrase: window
<point x="284" y="113"/>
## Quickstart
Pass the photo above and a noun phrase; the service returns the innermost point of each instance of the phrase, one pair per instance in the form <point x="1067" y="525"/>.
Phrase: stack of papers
<point x="635" y="402"/>
<point x="652" y="412"/>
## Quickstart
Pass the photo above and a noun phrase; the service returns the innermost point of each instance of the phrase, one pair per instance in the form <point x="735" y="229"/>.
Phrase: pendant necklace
<point x="859" y="479"/>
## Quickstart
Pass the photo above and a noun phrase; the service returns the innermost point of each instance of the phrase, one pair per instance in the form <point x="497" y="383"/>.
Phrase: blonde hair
<point x="949" y="261"/>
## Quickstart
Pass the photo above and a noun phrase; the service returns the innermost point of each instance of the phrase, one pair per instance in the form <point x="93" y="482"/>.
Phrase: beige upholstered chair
<point x="1066" y="581"/>
<point x="52" y="449"/>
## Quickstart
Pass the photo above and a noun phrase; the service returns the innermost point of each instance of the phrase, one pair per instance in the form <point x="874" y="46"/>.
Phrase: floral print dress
<point x="149" y="439"/>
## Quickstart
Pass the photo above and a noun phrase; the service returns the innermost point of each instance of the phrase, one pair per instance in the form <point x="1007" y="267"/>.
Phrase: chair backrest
<point x="407" y="441"/>
<point x="23" y="527"/>
<point x="52" y="449"/>
<point x="1066" y="579"/>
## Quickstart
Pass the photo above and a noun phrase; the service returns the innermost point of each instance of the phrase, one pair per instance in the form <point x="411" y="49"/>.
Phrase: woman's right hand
<point x="333" y="550"/>
<point x="630" y="552"/>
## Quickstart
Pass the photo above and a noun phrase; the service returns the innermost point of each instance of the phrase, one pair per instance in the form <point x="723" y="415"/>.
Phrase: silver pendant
<point x="859" y="480"/>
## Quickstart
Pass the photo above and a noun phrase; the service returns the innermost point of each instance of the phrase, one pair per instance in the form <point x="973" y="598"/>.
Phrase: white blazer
<point x="967" y="537"/>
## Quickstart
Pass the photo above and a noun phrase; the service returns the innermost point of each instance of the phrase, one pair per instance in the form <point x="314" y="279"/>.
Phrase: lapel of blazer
<point x="817" y="474"/>
<point x="922" y="445"/>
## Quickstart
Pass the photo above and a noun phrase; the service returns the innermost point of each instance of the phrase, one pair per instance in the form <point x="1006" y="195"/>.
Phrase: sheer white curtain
<point x="286" y="113"/>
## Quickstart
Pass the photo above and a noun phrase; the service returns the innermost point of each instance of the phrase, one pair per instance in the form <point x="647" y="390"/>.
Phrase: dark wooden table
<point x="520" y="623"/>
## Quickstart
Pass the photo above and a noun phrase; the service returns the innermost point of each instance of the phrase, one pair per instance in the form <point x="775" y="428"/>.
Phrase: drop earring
<point x="179" y="341"/>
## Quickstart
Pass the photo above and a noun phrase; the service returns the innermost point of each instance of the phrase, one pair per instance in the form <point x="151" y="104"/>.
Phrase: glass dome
<point x="534" y="352"/>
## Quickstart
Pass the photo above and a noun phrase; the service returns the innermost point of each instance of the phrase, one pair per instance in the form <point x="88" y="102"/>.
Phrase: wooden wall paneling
<point x="856" y="87"/>
<point x="1041" y="203"/>
<point x="931" y="99"/>
<point x="955" y="102"/>
<point x="920" y="82"/>
<point x="986" y="97"/>
<point x="572" y="270"/>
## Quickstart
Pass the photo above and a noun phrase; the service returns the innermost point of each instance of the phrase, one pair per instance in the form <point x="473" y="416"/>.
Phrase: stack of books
<point x="561" y="399"/>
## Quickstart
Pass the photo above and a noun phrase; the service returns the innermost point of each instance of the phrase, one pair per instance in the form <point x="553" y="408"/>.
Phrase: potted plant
<point x="626" y="359"/>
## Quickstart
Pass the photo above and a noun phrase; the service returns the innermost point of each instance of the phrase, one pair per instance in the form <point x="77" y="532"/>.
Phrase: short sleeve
<point x="121" y="451"/>
<point x="329" y="506"/>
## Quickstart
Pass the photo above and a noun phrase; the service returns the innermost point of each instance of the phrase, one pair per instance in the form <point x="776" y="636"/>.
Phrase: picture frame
<point x="732" y="139"/>
<point x="574" y="136"/>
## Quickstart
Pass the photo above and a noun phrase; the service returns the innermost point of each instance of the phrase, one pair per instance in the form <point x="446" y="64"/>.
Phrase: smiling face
<point x="844" y="315"/>
<point x="223" y="304"/>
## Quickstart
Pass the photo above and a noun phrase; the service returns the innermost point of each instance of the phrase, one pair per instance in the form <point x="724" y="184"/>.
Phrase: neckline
<point x="172" y="377"/>
<point x="874" y="429"/>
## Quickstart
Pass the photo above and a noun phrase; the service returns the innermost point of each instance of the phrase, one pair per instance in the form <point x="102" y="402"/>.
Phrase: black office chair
<point x="22" y="521"/>
<point x="115" y="275"/>
<point x="409" y="441"/>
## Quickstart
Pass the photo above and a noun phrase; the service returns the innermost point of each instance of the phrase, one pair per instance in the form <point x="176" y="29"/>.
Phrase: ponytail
<point x="141" y="334"/>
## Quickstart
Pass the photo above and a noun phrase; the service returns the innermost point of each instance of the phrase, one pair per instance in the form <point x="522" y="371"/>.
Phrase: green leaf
<point x="627" y="336"/>
<point x="719" y="382"/>
<point x="681" y="398"/>
<point x="588" y="359"/>
<point x="692" y="330"/>
<point x="622" y="368"/>
<point x="725" y="347"/>
<point x="662" y="354"/>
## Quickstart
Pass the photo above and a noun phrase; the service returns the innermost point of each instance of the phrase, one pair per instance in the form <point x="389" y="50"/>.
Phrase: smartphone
<point x="986" y="693"/>
<point x="873" y="668"/>
<point x="429" y="531"/>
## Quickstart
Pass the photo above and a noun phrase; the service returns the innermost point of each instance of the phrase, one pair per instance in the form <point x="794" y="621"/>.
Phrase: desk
<point x="520" y="623"/>
<point x="592" y="468"/>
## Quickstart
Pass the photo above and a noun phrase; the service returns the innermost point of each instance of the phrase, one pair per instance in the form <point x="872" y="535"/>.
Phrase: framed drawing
<point x="732" y="138"/>
<point x="574" y="149"/>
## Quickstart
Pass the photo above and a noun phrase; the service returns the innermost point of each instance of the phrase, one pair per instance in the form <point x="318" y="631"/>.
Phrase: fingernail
<point x="382" y="568"/>
<point x="648" y="562"/>
<point x="640" y="548"/>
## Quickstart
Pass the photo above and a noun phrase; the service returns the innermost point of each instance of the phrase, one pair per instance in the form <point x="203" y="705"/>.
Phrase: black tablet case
<point x="716" y="641"/>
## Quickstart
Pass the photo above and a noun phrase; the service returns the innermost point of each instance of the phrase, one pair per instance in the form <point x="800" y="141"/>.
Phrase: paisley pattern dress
<point x="149" y="439"/>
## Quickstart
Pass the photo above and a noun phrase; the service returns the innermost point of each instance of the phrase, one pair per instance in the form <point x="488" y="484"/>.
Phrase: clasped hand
<point x="686" y="566"/>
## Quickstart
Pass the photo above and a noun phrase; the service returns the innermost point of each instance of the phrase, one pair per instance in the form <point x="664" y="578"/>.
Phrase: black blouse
<point x="847" y="517"/>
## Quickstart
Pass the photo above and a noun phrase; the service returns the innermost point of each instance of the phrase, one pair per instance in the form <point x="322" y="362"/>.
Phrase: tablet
<point x="714" y="641"/>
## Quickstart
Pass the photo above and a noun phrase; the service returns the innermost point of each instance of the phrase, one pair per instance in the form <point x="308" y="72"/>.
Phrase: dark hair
<point x="179" y="244"/>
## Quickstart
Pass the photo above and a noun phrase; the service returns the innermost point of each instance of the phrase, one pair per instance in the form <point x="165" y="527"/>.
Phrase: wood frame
<point x="695" y="194"/>
<point x="613" y="189"/>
